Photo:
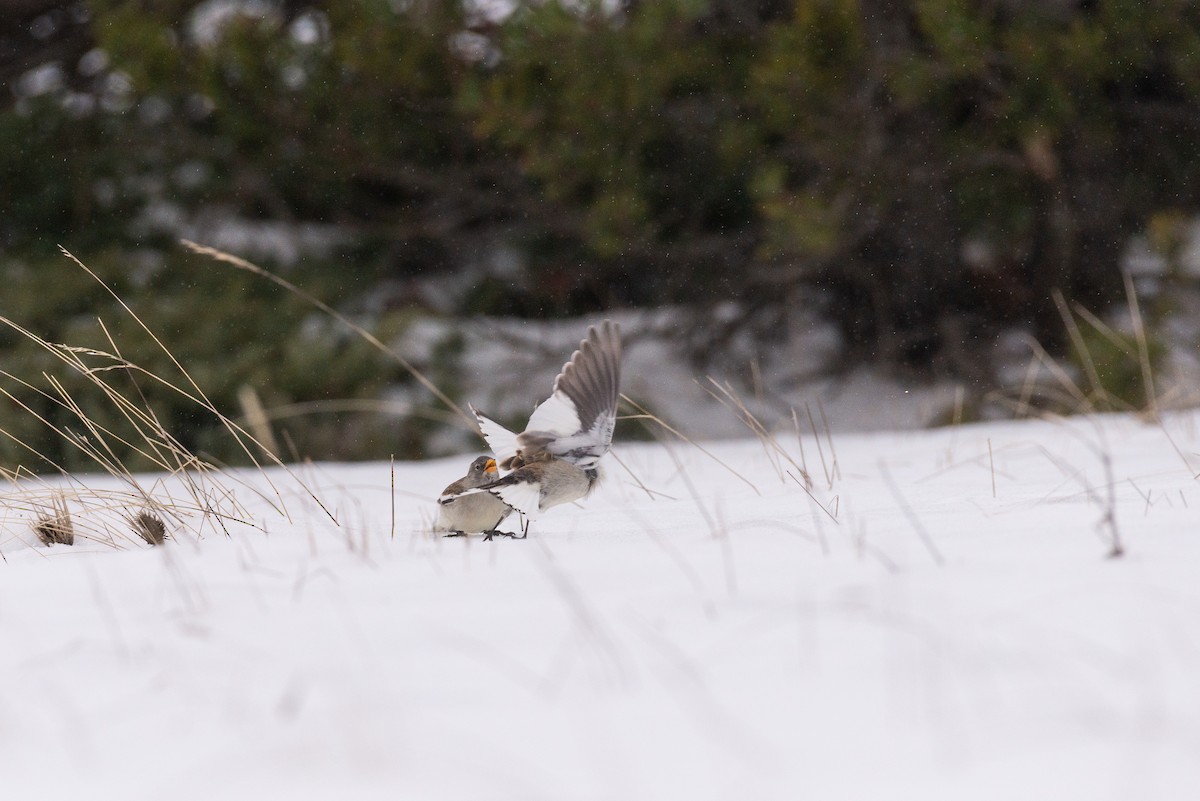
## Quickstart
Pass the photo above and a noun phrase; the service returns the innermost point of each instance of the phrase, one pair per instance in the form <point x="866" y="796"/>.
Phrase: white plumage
<point x="555" y="459"/>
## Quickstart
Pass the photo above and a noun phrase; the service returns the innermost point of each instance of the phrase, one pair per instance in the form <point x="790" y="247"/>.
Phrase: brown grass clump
<point x="55" y="526"/>
<point x="149" y="527"/>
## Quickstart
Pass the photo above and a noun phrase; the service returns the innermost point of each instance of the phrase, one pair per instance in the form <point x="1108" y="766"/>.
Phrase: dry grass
<point x="191" y="492"/>
<point x="1061" y="394"/>
<point x="205" y="496"/>
<point x="54" y="527"/>
<point x="241" y="264"/>
<point x="786" y="466"/>
<point x="1063" y="398"/>
<point x="1063" y="389"/>
<point x="775" y="452"/>
<point x="662" y="426"/>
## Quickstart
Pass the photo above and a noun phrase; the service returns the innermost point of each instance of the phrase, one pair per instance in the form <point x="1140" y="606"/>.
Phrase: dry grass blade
<point x="1066" y="383"/>
<point x="651" y="494"/>
<point x="804" y="485"/>
<point x="250" y="267"/>
<point x="820" y="451"/>
<point x="645" y="414"/>
<point x="239" y="434"/>
<point x="913" y="520"/>
<point x="1105" y="330"/>
<point x="800" y="443"/>
<point x="1085" y="355"/>
<point x="768" y="440"/>
<point x="835" y="468"/>
<point x="747" y="418"/>
<point x="256" y="418"/>
<point x="992" y="466"/>
<point x="1139" y="333"/>
<point x="1022" y="405"/>
<point x="342" y="405"/>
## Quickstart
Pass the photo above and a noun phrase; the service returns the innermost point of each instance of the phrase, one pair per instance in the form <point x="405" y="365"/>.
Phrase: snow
<point x="716" y="635"/>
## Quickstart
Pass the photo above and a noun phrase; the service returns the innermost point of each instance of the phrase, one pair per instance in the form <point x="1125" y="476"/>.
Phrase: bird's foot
<point x="455" y="534"/>
<point x="488" y="535"/>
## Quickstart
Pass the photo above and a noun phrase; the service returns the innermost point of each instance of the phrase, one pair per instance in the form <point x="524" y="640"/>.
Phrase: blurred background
<point x="889" y="198"/>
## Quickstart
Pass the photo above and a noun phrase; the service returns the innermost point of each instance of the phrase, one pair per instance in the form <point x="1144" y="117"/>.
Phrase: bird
<point x="555" y="460"/>
<point x="459" y="514"/>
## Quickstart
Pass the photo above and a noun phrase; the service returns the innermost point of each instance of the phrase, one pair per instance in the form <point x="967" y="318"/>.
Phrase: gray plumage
<point x="555" y="460"/>
<point x="460" y="514"/>
<point x="590" y="382"/>
<point x="537" y="486"/>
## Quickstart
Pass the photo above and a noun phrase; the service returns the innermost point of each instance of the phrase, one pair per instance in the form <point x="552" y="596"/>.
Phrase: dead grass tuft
<point x="150" y="527"/>
<point x="54" y="527"/>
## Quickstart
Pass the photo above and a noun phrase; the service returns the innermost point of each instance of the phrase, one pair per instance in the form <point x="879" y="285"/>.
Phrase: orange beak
<point x="490" y="467"/>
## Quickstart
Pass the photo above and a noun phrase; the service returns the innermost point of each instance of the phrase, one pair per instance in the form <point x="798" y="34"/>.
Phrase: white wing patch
<point x="524" y="496"/>
<point x="447" y="497"/>
<point x="556" y="415"/>
<point x="575" y="424"/>
<point x="502" y="441"/>
<point x="585" y="448"/>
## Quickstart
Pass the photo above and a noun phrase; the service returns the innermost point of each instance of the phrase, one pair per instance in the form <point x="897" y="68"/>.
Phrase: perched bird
<point x="555" y="460"/>
<point x="460" y="514"/>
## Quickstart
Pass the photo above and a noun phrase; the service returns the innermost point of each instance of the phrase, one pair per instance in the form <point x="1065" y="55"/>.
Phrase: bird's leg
<point x="495" y="529"/>
<point x="455" y="534"/>
<point x="495" y="532"/>
<point x="487" y="535"/>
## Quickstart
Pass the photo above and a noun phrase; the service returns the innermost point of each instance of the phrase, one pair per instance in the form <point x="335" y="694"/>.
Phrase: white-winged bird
<point x="555" y="460"/>
<point x="460" y="514"/>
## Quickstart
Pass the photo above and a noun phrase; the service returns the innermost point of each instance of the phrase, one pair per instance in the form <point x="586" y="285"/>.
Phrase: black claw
<point x="487" y="535"/>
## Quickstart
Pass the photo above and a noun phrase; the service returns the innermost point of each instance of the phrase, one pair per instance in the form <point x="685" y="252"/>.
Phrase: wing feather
<point x="592" y="377"/>
<point x="556" y="415"/>
<point x="502" y="441"/>
<point x="576" y="423"/>
<point x="524" y="496"/>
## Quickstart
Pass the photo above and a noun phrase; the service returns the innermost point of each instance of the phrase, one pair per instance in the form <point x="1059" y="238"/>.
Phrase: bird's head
<point x="484" y="467"/>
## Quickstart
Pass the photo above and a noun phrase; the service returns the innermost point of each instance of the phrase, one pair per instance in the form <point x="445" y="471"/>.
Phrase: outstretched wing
<point x="576" y="422"/>
<point x="502" y="441"/>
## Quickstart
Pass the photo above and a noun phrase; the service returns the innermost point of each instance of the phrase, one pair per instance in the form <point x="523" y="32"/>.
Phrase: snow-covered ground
<point x="935" y="619"/>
